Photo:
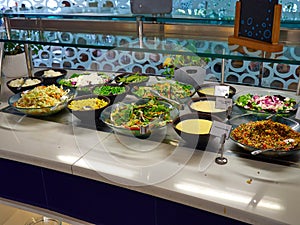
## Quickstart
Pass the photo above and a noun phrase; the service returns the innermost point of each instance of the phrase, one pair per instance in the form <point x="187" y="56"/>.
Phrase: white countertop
<point x="248" y="190"/>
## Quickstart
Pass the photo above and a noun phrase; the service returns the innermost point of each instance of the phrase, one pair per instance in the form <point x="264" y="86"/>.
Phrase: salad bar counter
<point x="162" y="150"/>
<point x="165" y="110"/>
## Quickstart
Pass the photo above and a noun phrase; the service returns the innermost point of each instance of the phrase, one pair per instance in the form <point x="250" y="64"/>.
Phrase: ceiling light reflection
<point x="214" y="193"/>
<point x="114" y="170"/>
<point x="245" y="198"/>
<point x="98" y="166"/>
<point x="67" y="158"/>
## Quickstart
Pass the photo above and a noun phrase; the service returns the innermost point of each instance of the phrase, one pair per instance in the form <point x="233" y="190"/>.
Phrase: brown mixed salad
<point x="266" y="134"/>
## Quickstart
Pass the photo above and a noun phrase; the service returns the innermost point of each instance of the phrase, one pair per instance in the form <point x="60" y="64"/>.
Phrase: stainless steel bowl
<point x="41" y="111"/>
<point x="156" y="125"/>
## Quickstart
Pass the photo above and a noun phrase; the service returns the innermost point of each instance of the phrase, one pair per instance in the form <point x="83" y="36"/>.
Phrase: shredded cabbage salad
<point x="40" y="97"/>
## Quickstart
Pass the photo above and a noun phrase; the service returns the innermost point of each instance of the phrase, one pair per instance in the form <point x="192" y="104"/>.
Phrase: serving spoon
<point x="259" y="151"/>
<point x="24" y="81"/>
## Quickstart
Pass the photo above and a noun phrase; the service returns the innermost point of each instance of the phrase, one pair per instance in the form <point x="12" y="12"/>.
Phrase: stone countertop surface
<point x="254" y="191"/>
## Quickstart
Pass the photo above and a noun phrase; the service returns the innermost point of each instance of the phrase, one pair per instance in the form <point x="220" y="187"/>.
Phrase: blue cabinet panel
<point x="21" y="182"/>
<point x="171" y="213"/>
<point x="97" y="202"/>
<point x="93" y="201"/>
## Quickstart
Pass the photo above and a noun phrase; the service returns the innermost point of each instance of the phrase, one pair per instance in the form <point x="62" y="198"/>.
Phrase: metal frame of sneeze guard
<point x="159" y="27"/>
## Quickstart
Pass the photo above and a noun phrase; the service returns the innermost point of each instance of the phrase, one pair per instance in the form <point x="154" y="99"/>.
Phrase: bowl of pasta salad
<point x="41" y="100"/>
<point x="88" y="108"/>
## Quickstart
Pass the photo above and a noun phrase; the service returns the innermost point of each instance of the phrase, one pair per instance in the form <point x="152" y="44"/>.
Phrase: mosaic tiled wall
<point x="255" y="73"/>
<point x="265" y="74"/>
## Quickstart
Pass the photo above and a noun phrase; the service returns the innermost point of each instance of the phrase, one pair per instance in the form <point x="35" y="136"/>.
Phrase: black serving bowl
<point x="50" y="78"/>
<point x="23" y="84"/>
<point x="209" y="90"/>
<point x="85" y="79"/>
<point x="85" y="82"/>
<point x="115" y="92"/>
<point x="132" y="79"/>
<point x="206" y="105"/>
<point x="84" y="110"/>
<point x="194" y="128"/>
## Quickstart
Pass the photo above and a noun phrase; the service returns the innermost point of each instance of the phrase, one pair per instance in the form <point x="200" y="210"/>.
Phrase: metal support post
<point x="28" y="60"/>
<point x="223" y="69"/>
<point x="221" y="160"/>
<point x="140" y="30"/>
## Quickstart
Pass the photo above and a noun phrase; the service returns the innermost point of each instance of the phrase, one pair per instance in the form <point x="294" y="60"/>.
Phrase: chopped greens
<point x="133" y="78"/>
<point x="109" y="90"/>
<point x="133" y="116"/>
<point x="170" y="90"/>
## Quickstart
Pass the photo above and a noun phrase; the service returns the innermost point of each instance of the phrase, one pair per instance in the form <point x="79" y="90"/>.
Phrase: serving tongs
<point x="147" y="128"/>
<point x="173" y="102"/>
<point x="62" y="99"/>
<point x="121" y="82"/>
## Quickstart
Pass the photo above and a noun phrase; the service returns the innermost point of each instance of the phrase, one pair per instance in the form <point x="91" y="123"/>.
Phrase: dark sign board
<point x="256" y="19"/>
<point x="257" y="25"/>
